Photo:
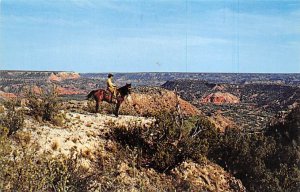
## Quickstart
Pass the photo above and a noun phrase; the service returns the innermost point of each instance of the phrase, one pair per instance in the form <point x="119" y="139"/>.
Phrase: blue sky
<point x="143" y="35"/>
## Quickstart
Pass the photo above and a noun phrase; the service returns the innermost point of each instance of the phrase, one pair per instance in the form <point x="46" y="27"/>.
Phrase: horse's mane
<point x="123" y="90"/>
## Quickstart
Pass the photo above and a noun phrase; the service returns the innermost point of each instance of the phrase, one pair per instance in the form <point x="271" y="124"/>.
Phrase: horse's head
<point x="128" y="87"/>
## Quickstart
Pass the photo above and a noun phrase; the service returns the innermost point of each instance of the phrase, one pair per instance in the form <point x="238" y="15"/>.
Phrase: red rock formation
<point x="37" y="90"/>
<point x="5" y="95"/>
<point x="220" y="98"/>
<point x="69" y="91"/>
<point x="63" y="76"/>
<point x="150" y="103"/>
<point x="53" y="77"/>
<point x="218" y="88"/>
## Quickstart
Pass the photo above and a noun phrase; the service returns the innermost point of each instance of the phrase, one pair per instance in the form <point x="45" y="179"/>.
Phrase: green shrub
<point x="13" y="119"/>
<point x="46" y="106"/>
<point x="171" y="140"/>
<point x="59" y="119"/>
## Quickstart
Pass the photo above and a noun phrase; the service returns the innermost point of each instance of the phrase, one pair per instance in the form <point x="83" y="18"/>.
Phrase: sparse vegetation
<point x="22" y="169"/>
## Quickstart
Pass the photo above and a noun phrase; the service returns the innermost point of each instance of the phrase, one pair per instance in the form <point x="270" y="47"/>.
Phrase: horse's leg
<point x="98" y="100"/>
<point x="97" y="106"/>
<point x="117" y="109"/>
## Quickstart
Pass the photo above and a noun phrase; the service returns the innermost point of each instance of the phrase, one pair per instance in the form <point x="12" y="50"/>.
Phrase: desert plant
<point x="171" y="140"/>
<point x="64" y="174"/>
<point x="59" y="119"/>
<point x="13" y="119"/>
<point x="46" y="106"/>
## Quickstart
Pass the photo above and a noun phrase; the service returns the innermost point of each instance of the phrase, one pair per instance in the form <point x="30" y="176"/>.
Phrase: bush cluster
<point x="171" y="140"/>
<point x="267" y="161"/>
<point x="12" y="118"/>
<point x="45" y="106"/>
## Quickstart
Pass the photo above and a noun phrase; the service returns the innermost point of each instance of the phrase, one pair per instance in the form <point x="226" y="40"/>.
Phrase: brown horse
<point x="103" y="95"/>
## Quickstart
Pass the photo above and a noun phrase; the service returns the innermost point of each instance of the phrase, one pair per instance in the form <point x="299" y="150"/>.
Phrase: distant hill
<point x="271" y="96"/>
<point x="250" y="106"/>
<point x="148" y="78"/>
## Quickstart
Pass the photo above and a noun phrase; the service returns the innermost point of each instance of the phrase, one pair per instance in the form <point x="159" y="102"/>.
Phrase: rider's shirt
<point x="110" y="84"/>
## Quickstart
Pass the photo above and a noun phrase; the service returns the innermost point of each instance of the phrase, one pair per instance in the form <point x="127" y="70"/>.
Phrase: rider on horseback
<point x="111" y="86"/>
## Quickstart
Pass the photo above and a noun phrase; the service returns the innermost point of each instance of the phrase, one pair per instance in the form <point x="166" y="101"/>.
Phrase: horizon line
<point x="4" y="70"/>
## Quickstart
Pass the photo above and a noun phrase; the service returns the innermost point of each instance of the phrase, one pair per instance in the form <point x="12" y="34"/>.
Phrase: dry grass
<point x="23" y="138"/>
<point x="91" y="134"/>
<point x="54" y="145"/>
<point x="74" y="139"/>
<point x="87" y="153"/>
<point x="2" y="109"/>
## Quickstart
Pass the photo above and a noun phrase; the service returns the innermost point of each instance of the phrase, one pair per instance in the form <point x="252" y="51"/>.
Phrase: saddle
<point x="109" y="94"/>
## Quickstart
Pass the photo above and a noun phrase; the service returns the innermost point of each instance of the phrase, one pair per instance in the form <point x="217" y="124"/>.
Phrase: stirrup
<point x="113" y="99"/>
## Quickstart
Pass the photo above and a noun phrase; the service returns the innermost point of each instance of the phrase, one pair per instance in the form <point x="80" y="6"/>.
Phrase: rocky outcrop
<point x="81" y="131"/>
<point x="220" y="98"/>
<point x="147" y="103"/>
<point x="63" y="76"/>
<point x="152" y="100"/>
<point x="207" y="177"/>
<point x="5" y="95"/>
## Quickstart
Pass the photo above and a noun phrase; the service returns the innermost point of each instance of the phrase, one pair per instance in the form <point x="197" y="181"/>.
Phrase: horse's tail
<point x="91" y="94"/>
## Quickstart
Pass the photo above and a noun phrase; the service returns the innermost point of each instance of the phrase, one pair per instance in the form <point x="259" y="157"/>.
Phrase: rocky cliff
<point x="60" y="76"/>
